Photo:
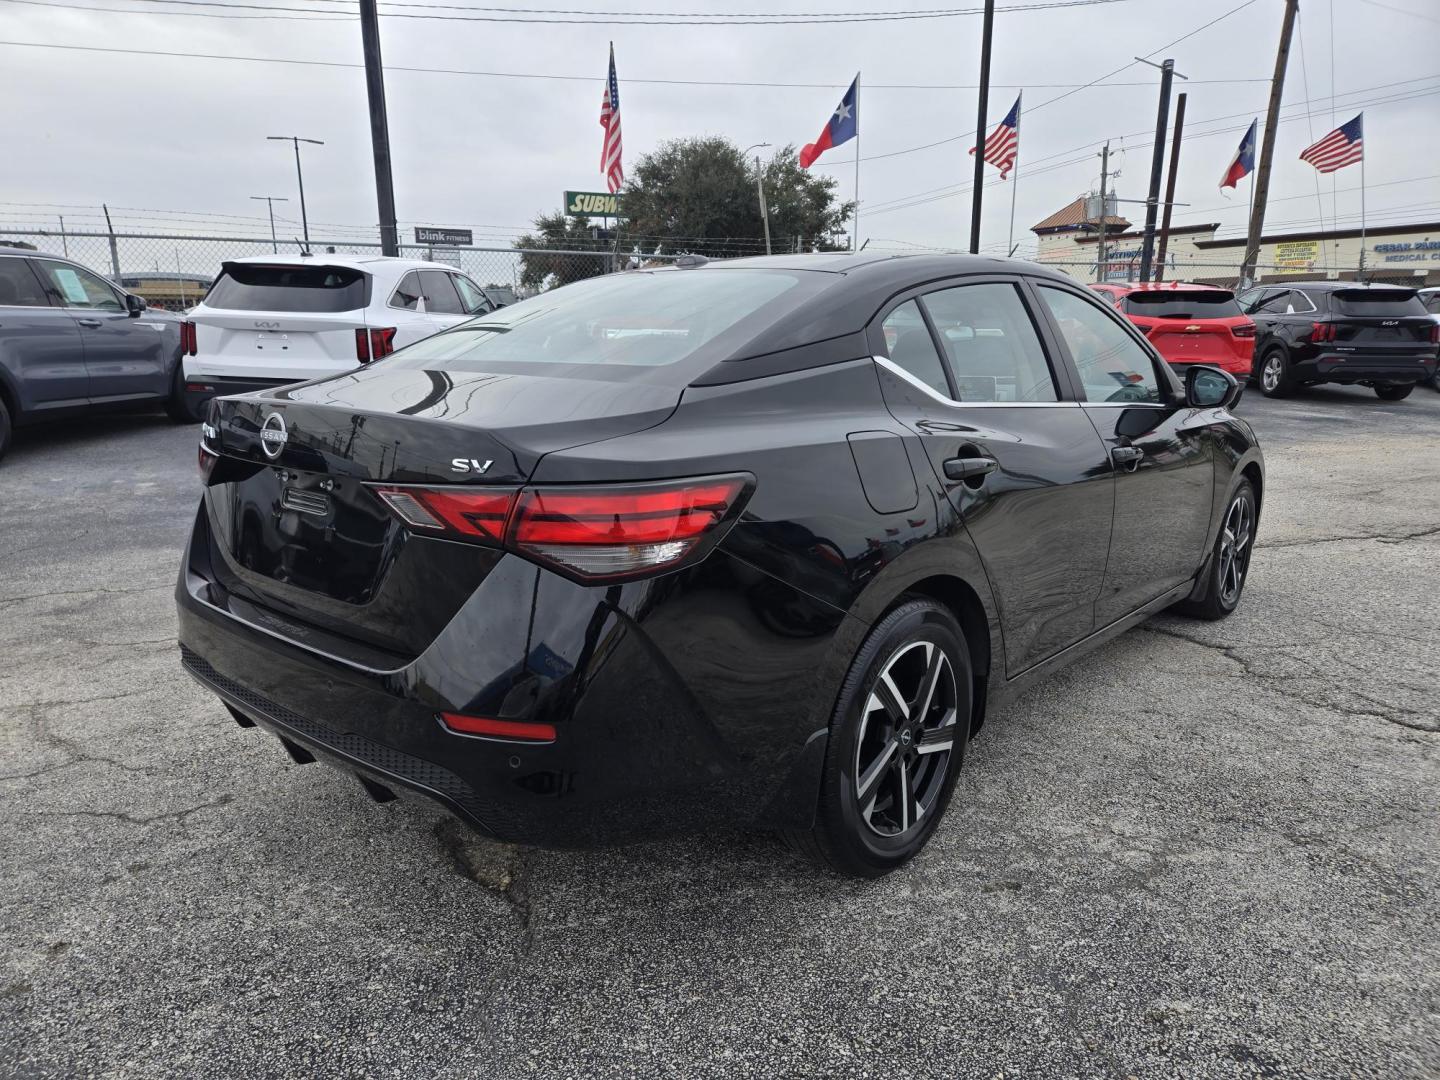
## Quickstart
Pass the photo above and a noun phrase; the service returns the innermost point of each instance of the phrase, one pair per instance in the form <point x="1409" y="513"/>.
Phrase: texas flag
<point x="842" y="127"/>
<point x="1243" y="164"/>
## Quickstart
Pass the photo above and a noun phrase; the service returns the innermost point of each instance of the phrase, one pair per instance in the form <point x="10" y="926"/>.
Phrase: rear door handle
<point x="93" y="324"/>
<point x="967" y="468"/>
<point x="1126" y="455"/>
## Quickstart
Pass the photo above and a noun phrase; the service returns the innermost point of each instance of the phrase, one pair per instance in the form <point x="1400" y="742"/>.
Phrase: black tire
<point x="1223" y="591"/>
<point x="7" y="428"/>
<point x="912" y="757"/>
<point x="176" y="406"/>
<point x="1272" y="373"/>
<point x="1394" y="393"/>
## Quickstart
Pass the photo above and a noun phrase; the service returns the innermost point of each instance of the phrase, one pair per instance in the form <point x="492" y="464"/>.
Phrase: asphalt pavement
<point x="1206" y="850"/>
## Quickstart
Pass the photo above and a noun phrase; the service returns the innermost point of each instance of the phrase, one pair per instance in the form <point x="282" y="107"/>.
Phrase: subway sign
<point x="596" y="203"/>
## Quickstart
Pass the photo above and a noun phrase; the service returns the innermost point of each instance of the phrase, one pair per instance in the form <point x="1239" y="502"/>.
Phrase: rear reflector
<point x="589" y="533"/>
<point x="520" y="730"/>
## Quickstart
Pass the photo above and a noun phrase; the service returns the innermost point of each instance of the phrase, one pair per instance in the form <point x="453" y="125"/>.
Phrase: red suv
<point x="1188" y="324"/>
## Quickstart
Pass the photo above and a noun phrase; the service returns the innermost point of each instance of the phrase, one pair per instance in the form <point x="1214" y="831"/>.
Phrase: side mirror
<point x="135" y="304"/>
<point x="1209" y="388"/>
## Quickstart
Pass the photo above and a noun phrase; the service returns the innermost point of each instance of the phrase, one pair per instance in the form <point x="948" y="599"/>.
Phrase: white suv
<point x="272" y="320"/>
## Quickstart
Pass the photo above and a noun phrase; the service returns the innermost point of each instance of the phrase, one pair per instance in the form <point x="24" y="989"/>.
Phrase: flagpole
<point x="855" y="244"/>
<point x="1015" y="174"/>
<point x="1361" y="274"/>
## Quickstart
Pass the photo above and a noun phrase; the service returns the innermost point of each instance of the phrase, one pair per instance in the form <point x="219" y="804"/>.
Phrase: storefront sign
<point x="450" y="237"/>
<point x="598" y="203"/>
<point x="1298" y="255"/>
<point x="1417" y="251"/>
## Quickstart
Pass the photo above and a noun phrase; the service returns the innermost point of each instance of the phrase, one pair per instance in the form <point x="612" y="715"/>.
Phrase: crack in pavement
<point x="1384" y="538"/>
<point x="501" y="869"/>
<point x="131" y="819"/>
<point x="1392" y="714"/>
<point x="82" y="592"/>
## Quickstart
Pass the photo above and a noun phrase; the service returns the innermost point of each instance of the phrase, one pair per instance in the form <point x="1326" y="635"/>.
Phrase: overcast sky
<point x="171" y="134"/>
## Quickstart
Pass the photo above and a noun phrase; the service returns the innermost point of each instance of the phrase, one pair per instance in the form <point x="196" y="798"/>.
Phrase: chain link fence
<point x="174" y="271"/>
<point x="1226" y="274"/>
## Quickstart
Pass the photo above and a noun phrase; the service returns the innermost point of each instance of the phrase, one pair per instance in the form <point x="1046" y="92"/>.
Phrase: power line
<point x="613" y="19"/>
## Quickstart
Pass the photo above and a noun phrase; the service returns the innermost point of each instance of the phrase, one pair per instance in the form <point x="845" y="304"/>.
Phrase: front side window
<point x="991" y="344"/>
<point x="78" y="288"/>
<point x="908" y="341"/>
<point x="407" y="293"/>
<point x="19" y="287"/>
<point x="471" y="297"/>
<point x="1113" y="366"/>
<point x="440" y="295"/>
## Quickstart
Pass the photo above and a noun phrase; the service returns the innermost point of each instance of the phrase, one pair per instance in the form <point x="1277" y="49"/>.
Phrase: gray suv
<point x="70" y="340"/>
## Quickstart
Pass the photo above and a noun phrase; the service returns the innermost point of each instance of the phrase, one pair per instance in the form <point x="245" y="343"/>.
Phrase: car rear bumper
<point x="1367" y="368"/>
<point x="650" y="738"/>
<point x="200" y="389"/>
<point x="1235" y="365"/>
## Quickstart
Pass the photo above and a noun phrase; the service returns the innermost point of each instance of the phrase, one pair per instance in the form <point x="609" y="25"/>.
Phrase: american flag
<point x="610" y="121"/>
<point x="1002" y="146"/>
<point x="1343" y="146"/>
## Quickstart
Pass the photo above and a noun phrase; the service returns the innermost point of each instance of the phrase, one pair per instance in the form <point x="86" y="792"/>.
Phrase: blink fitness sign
<point x="1419" y="251"/>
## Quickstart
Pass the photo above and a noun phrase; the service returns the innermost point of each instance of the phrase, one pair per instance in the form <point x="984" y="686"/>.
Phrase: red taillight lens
<point x="1435" y="333"/>
<point x="520" y="730"/>
<point x="374" y="344"/>
<point x="1245" y="330"/>
<point x="1323" y="331"/>
<point x="187" y="338"/>
<point x="590" y="533"/>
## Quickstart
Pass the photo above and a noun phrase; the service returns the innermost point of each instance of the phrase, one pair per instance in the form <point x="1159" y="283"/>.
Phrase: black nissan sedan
<point x="748" y="543"/>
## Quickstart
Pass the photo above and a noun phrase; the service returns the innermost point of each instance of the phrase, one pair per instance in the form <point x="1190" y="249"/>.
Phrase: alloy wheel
<point x="1235" y="546"/>
<point x="1272" y="372"/>
<point x="906" y="739"/>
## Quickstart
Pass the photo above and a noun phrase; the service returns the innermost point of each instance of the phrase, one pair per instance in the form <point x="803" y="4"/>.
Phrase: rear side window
<point x="992" y="346"/>
<point x="1377" y="303"/>
<point x="645" y="321"/>
<point x="407" y="293"/>
<point x="19" y="287"/>
<point x="440" y="295"/>
<point x="318" y="289"/>
<point x="908" y="341"/>
<point x="1180" y="304"/>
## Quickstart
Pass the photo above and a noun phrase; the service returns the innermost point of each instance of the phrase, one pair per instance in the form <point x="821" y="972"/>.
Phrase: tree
<point x="698" y="195"/>
<point x="559" y="232"/>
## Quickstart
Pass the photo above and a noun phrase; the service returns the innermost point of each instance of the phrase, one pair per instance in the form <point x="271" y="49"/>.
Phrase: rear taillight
<point x="374" y="344"/>
<point x="1435" y="333"/>
<point x="491" y="728"/>
<point x="187" y="338"/>
<point x="1245" y="330"/>
<point x="589" y="533"/>
<point x="1322" y="331"/>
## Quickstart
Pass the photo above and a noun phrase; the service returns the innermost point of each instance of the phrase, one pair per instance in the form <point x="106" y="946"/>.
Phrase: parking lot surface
<point x="1206" y="850"/>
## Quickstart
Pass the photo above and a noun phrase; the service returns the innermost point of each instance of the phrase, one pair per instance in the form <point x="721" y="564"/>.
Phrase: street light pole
<point x="299" y="177"/>
<point x="270" y="201"/>
<point x="379" y="128"/>
<point x="760" y="187"/>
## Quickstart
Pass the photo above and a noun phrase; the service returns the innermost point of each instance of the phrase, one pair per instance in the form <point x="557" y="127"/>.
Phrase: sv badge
<point x="469" y="465"/>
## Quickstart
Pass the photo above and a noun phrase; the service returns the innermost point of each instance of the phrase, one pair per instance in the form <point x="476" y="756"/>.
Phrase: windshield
<point x="1178" y="304"/>
<point x="1391" y="303"/>
<point x="315" y="289"/>
<point x="622" y="324"/>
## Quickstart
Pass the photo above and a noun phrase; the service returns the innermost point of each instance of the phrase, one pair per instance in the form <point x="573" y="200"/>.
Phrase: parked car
<point x="1187" y="323"/>
<point x="748" y="542"/>
<point x="71" y="341"/>
<point x="1341" y="332"/>
<point x="1431" y="299"/>
<point x="277" y="319"/>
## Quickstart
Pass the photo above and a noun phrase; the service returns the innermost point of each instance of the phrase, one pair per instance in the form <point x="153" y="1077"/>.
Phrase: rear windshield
<point x="1178" y="304"/>
<point x="242" y="287"/>
<point x="1390" y="303"/>
<point x="619" y="325"/>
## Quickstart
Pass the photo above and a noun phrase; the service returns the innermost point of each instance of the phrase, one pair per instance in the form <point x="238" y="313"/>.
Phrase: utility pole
<point x="1170" y="188"/>
<point x="1100" y="243"/>
<point x="299" y="177"/>
<point x="1157" y="164"/>
<point x="1267" y="145"/>
<point x="760" y="187"/>
<point x="982" y="107"/>
<point x="379" y="128"/>
<point x="270" y="201"/>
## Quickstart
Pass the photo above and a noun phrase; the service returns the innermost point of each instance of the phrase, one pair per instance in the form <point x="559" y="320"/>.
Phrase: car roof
<point x="1332" y="286"/>
<point x="1158" y="286"/>
<point x="367" y="263"/>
